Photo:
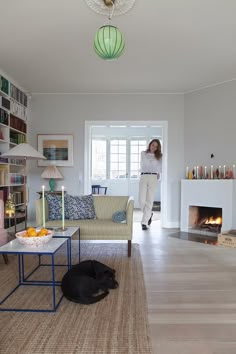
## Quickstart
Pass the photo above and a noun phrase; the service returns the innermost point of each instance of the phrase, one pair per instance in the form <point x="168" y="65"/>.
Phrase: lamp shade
<point x="109" y="42"/>
<point x="24" y="151"/>
<point x="51" y="172"/>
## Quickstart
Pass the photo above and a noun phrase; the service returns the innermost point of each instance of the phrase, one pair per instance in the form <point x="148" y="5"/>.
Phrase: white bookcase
<point x="13" y="131"/>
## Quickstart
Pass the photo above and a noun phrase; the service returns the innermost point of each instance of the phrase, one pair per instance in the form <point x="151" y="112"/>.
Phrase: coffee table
<point x="47" y="249"/>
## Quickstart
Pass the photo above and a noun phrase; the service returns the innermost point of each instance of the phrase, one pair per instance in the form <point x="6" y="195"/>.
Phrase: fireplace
<point x="207" y="220"/>
<point x="216" y="194"/>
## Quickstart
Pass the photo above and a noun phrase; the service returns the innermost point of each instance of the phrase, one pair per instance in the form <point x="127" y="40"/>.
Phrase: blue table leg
<point x="79" y="245"/>
<point x="53" y="286"/>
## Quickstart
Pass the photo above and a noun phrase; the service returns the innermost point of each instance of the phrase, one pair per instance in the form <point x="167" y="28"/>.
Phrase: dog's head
<point x="105" y="274"/>
<point x="101" y="268"/>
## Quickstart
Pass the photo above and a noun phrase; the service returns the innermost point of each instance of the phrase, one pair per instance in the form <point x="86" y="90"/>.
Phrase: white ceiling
<point x="171" y="46"/>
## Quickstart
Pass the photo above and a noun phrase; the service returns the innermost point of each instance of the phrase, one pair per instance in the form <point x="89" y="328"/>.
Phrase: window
<point x="115" y="158"/>
<point x="136" y="146"/>
<point x="99" y="153"/>
<point x="118" y="158"/>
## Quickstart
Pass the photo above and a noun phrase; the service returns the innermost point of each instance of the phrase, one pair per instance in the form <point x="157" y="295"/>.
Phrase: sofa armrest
<point x="130" y="211"/>
<point x="39" y="211"/>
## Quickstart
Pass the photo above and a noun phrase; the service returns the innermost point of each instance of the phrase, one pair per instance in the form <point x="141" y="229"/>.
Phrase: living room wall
<point x="210" y="126"/>
<point x="66" y="114"/>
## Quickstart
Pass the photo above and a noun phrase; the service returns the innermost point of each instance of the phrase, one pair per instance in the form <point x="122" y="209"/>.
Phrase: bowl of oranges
<point x="34" y="237"/>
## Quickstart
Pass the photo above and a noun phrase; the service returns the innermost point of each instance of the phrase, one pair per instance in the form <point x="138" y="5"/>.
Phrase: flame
<point x="211" y="220"/>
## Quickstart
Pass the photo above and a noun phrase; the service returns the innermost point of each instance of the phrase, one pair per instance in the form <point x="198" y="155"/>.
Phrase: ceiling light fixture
<point x="109" y="42"/>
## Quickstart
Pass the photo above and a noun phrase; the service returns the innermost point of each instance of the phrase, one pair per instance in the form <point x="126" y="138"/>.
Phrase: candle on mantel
<point x="219" y="171"/>
<point x="197" y="174"/>
<point x="224" y="171"/>
<point x="43" y="190"/>
<point x="211" y="171"/>
<point x="186" y="172"/>
<point x="233" y="171"/>
<point x="63" y="207"/>
<point x="205" y="172"/>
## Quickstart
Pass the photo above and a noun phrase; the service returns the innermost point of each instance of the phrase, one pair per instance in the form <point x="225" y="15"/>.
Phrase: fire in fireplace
<point x="205" y="219"/>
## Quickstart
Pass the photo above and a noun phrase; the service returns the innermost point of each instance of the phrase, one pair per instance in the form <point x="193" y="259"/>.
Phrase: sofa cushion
<point x="81" y="207"/>
<point x="55" y="206"/>
<point x="97" y="229"/>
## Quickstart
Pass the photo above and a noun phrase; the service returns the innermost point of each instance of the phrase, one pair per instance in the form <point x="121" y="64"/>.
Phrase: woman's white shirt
<point x="149" y="163"/>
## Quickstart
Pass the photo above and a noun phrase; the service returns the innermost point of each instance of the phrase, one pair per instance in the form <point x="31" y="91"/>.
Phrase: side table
<point x="69" y="232"/>
<point x="47" y="249"/>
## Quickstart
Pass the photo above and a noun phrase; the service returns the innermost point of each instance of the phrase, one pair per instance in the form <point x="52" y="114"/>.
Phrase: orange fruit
<point x="44" y="231"/>
<point x="30" y="229"/>
<point x="32" y="233"/>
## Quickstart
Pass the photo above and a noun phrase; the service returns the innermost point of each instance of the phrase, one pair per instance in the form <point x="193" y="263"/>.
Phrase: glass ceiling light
<point x="109" y="42"/>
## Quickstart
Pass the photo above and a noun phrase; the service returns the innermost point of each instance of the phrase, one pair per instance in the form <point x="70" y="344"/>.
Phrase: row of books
<point x="3" y="116"/>
<point x="18" y="95"/>
<point x="18" y="124"/>
<point x="3" y="177"/>
<point x="18" y="110"/>
<point x="16" y="179"/>
<point x="18" y="197"/>
<point x="4" y="85"/>
<point x="17" y="138"/>
<point x="16" y="162"/>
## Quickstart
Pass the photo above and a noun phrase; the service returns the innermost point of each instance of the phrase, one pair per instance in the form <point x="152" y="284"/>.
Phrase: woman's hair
<point x="157" y="153"/>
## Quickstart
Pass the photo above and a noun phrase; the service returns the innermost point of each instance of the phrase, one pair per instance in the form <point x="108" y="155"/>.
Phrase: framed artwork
<point x="58" y="149"/>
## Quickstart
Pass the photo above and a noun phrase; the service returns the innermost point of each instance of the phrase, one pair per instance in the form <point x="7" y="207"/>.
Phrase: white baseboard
<point x="171" y="225"/>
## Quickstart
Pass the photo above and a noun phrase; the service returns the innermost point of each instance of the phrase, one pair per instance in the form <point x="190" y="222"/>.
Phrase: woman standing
<point x="151" y="167"/>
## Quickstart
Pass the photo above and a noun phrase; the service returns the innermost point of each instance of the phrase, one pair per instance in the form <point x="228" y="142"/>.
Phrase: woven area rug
<point x="117" y="324"/>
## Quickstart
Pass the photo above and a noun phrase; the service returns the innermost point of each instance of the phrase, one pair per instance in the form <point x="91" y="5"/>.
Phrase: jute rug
<point x="117" y="324"/>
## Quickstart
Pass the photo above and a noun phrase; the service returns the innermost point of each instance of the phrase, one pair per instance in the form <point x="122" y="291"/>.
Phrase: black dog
<point x="84" y="282"/>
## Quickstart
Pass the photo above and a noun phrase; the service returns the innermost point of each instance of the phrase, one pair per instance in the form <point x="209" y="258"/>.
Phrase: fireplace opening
<point x="205" y="219"/>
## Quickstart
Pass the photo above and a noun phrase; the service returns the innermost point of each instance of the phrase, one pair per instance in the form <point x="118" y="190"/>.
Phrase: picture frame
<point x="57" y="148"/>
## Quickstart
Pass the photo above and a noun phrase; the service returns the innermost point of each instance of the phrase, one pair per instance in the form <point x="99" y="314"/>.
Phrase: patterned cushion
<point x="55" y="206"/>
<point x="81" y="207"/>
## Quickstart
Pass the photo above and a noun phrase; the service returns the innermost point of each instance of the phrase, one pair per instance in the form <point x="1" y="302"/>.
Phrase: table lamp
<point x="51" y="173"/>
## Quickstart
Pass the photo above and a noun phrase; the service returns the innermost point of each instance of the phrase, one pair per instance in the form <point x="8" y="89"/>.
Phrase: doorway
<point x="112" y="153"/>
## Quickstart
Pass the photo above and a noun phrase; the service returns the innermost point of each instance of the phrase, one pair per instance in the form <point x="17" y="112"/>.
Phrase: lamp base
<point x="52" y="184"/>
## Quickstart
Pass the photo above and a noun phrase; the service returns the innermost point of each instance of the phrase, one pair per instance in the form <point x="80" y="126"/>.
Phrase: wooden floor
<point x="191" y="291"/>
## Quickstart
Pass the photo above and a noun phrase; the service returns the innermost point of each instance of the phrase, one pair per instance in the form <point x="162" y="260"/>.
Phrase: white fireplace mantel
<point x="209" y="193"/>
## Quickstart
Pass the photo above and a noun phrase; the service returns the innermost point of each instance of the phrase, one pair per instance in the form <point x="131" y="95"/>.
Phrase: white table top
<point x="16" y="247"/>
<point x="69" y="232"/>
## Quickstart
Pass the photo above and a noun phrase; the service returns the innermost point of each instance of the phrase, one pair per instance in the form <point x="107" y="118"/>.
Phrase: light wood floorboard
<point x="191" y="292"/>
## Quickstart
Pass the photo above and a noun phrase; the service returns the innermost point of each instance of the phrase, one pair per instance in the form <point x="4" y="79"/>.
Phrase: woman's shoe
<point x="144" y="227"/>
<point x="150" y="220"/>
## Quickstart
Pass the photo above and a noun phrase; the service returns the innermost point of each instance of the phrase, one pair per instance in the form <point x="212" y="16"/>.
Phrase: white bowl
<point x="34" y="241"/>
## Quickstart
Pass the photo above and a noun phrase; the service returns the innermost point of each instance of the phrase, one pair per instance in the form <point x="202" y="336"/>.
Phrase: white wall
<point x="58" y="114"/>
<point x="210" y="126"/>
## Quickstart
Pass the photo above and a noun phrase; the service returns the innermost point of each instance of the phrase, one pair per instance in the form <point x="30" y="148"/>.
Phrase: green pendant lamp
<point x="109" y="42"/>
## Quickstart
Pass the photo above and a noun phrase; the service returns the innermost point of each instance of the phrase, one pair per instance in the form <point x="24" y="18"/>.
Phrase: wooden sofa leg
<point x="129" y="248"/>
<point x="5" y="258"/>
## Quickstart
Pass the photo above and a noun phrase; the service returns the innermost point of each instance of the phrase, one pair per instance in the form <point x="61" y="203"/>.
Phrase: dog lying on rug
<point x="88" y="282"/>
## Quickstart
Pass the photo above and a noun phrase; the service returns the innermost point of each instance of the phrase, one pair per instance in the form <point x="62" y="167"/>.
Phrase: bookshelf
<point x="13" y="131"/>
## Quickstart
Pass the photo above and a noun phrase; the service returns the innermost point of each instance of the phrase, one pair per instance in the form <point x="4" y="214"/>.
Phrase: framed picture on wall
<point x="57" y="148"/>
